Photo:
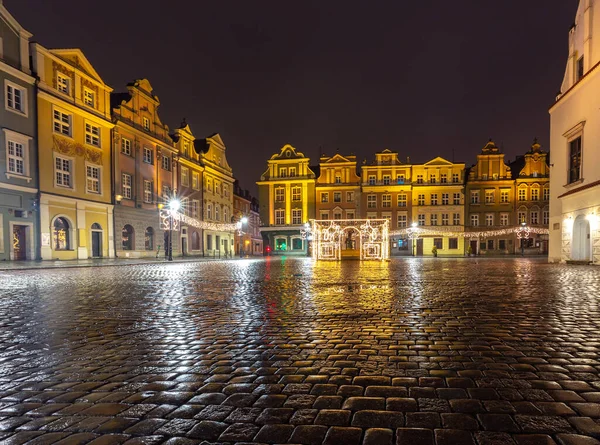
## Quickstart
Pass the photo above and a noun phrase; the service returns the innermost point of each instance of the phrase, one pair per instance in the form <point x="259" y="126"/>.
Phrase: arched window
<point x="149" y="238"/>
<point x="127" y="236"/>
<point x="60" y="234"/>
<point x="195" y="241"/>
<point x="96" y="226"/>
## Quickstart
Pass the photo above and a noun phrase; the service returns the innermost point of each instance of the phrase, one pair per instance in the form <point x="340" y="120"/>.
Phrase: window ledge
<point x="17" y="112"/>
<point x="574" y="183"/>
<point x="16" y="175"/>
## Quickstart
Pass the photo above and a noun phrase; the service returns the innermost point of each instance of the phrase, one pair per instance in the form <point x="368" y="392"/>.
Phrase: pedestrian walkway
<point x="100" y="262"/>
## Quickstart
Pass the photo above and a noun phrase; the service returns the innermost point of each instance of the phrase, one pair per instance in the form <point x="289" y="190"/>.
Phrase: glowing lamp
<point x="174" y="205"/>
<point x="244" y="220"/>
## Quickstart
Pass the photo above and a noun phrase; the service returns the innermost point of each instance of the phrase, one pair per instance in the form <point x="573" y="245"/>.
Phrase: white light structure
<point x="371" y="235"/>
<point x="441" y="231"/>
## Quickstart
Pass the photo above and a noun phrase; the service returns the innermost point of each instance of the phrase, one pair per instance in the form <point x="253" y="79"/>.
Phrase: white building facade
<point x="575" y="146"/>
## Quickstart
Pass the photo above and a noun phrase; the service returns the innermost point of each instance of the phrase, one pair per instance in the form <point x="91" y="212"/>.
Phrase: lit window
<point x="186" y="148"/>
<point x="146" y="123"/>
<point x="92" y="135"/>
<point x="62" y="172"/>
<point x="126" y="146"/>
<point x="195" y="180"/>
<point x="185" y="176"/>
<point x="63" y="83"/>
<point x="61" y="234"/>
<point x="148" y="188"/>
<point x="489" y="196"/>
<point x="62" y="123"/>
<point x="93" y="179"/>
<point x="148" y="155"/>
<point x="127" y="237"/>
<point x="126" y="186"/>
<point x="89" y="98"/>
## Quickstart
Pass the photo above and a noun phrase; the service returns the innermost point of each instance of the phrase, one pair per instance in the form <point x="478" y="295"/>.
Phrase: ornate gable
<point x="288" y="152"/>
<point x="76" y="58"/>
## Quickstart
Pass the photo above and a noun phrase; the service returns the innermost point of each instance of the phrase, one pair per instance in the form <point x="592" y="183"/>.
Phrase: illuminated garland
<point x="180" y="218"/>
<point x="420" y="231"/>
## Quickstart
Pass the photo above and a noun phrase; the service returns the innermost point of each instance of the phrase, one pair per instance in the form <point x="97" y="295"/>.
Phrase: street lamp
<point x="174" y="205"/>
<point x="240" y="227"/>
<point x="413" y="235"/>
<point x="523" y="234"/>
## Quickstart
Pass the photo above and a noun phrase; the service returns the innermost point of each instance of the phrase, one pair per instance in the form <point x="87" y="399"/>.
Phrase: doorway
<point x="473" y="245"/>
<point x="580" y="250"/>
<point x="420" y="247"/>
<point x="96" y="240"/>
<point x="19" y="242"/>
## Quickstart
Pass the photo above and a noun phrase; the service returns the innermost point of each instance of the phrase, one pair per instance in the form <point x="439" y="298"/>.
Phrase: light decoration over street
<point x="181" y="218"/>
<point x="369" y="236"/>
<point x="421" y="231"/>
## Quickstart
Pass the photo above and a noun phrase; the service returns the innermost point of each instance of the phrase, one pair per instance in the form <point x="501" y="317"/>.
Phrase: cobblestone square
<point x="411" y="351"/>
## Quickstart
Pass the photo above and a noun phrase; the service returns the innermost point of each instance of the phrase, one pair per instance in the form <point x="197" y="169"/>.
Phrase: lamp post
<point x="306" y="234"/>
<point x="413" y="235"/>
<point x="240" y="227"/>
<point x="174" y="205"/>
<point x="523" y="234"/>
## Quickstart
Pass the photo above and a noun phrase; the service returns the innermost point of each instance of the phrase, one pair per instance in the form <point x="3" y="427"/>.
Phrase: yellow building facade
<point x="438" y="205"/>
<point x="74" y="140"/>
<point x="337" y="188"/>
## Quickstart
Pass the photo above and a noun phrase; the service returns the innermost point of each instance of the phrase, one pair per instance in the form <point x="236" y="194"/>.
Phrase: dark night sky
<point x="425" y="79"/>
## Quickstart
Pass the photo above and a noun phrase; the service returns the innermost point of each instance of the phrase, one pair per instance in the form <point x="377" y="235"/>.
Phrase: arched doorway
<point x="96" y="240"/>
<point x="580" y="246"/>
<point x="127" y="236"/>
<point x="350" y="242"/>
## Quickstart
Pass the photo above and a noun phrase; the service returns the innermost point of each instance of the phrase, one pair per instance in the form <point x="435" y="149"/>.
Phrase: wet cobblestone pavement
<point x="415" y="351"/>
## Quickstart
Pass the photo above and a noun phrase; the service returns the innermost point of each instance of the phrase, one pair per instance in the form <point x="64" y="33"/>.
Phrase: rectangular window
<point x="62" y="170"/>
<point x="445" y="199"/>
<point x="400" y="179"/>
<point x="579" y="73"/>
<point x="16" y="99"/>
<point x="195" y="180"/>
<point x="535" y="194"/>
<point x="148" y="155"/>
<point x="489" y="219"/>
<point x="337" y="196"/>
<point x="445" y="219"/>
<point x="456" y="199"/>
<point x="386" y="179"/>
<point x="92" y="135"/>
<point x="350" y="215"/>
<point x="371" y="180"/>
<point x="349" y="196"/>
<point x="432" y="179"/>
<point x="324" y="196"/>
<point x="456" y="219"/>
<point x="452" y="243"/>
<point x="419" y="179"/>
<point x="280" y="217"/>
<point x="126" y="146"/>
<point x="338" y="179"/>
<point x="534" y="217"/>
<point x="489" y="196"/>
<point x="16" y="158"/>
<point x="93" y="179"/>
<point x="438" y="243"/>
<point x="402" y="199"/>
<point x="455" y="178"/>
<point x="62" y="123"/>
<point x="504" y="196"/>
<point x="296" y="193"/>
<point x="371" y="201"/>
<point x="386" y="200"/>
<point x="434" y="199"/>
<point x="474" y="196"/>
<point x="434" y="219"/>
<point x="166" y="192"/>
<point x="148" y="186"/>
<point x="522" y="217"/>
<point x="490" y="244"/>
<point x="186" y="148"/>
<point x="475" y="220"/>
<point x="545" y="217"/>
<point x="443" y="178"/>
<point x="575" y="160"/>
<point x="324" y="215"/>
<point x="185" y="176"/>
<point x="89" y="98"/>
<point x="401" y="221"/>
<point x="195" y="208"/>
<point x="546" y="194"/>
<point x="283" y="172"/>
<point x="421" y="200"/>
<point x="126" y="186"/>
<point x="292" y="172"/>
<point x="522" y="194"/>
<point x="63" y="83"/>
<point x="279" y="194"/>
<point x="296" y="216"/>
<point x="502" y="244"/>
<point x="504" y="219"/>
<point x="421" y="219"/>
<point x="146" y="123"/>
<point x="209" y="211"/>
<point x="166" y="162"/>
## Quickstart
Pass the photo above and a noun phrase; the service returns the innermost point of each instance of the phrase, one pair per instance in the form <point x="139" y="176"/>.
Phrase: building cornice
<point x="575" y="86"/>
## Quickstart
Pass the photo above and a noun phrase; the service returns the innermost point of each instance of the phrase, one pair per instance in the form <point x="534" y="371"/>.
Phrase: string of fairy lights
<point x="167" y="215"/>
<point x="420" y="231"/>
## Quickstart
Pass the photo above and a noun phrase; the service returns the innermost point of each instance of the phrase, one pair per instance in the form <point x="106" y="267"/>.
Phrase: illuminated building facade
<point x="74" y="146"/>
<point x="387" y="194"/>
<point x="190" y="173"/>
<point x="18" y="164"/>
<point x="286" y="192"/>
<point x="438" y="205"/>
<point x="144" y="172"/>
<point x="574" y="140"/>
<point x="218" y="196"/>
<point x="248" y="240"/>
<point x="490" y="202"/>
